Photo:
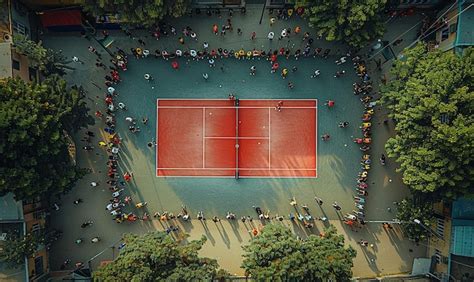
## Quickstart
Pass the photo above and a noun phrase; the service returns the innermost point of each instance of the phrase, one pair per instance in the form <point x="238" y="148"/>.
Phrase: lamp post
<point x="417" y="221"/>
<point x="263" y="11"/>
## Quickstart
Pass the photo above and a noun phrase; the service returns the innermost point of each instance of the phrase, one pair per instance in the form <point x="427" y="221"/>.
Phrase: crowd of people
<point x="121" y="206"/>
<point x="363" y="88"/>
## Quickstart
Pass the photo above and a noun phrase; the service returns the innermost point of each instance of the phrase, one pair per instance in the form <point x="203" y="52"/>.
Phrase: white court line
<point x="233" y="138"/>
<point x="227" y="99"/>
<point x="269" y="140"/>
<point x="203" y="138"/>
<point x="214" y="176"/>
<point x="156" y="136"/>
<point x="316" y="137"/>
<point x="229" y="107"/>
<point x="213" y="168"/>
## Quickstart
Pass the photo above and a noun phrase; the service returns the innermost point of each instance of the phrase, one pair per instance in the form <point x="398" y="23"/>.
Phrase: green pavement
<point x="338" y="159"/>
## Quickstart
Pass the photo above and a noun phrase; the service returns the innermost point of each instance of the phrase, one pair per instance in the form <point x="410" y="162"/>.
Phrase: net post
<point x="236" y="104"/>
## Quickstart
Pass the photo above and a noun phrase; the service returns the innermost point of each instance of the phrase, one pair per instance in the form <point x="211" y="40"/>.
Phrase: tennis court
<point x="236" y="138"/>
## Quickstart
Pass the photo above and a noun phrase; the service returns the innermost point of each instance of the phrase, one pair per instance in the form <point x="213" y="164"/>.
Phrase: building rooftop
<point x="10" y="209"/>
<point x="465" y="33"/>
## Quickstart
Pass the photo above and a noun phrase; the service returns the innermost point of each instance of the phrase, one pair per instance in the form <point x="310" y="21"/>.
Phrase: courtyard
<point x="338" y="159"/>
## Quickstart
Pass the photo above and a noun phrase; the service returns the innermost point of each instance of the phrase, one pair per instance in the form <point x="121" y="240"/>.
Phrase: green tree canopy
<point x="33" y="120"/>
<point x="277" y="254"/>
<point x="431" y="99"/>
<point x="156" y="256"/>
<point x="408" y="211"/>
<point x="138" y="12"/>
<point x="47" y="61"/>
<point x="354" y="22"/>
<point x="16" y="248"/>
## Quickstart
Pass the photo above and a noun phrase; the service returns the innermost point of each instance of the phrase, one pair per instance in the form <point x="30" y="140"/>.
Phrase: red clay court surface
<point x="216" y="138"/>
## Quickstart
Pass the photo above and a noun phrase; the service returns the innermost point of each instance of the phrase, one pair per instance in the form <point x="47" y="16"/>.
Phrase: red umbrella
<point x="175" y="65"/>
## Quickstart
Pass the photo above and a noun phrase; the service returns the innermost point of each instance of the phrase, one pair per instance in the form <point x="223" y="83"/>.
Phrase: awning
<point x="59" y="18"/>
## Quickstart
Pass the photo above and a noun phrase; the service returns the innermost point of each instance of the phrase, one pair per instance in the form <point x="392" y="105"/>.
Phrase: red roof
<point x="61" y="18"/>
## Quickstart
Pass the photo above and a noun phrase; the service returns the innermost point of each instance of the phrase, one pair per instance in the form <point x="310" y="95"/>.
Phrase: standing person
<point x="205" y="76"/>
<point x="278" y="106"/>
<point x="291" y="85"/>
<point x="336" y="206"/>
<point x="111" y="90"/>
<point x="339" y="73"/>
<point x="318" y="200"/>
<point x="253" y="70"/>
<point x="316" y="74"/>
<point x="284" y="73"/>
<point x="215" y="29"/>
<point x="76" y="60"/>
<point x="329" y="103"/>
<point x="283" y="34"/>
<point x="272" y="21"/>
<point x="343" y="124"/>
<point x="254" y="35"/>
<point x="270" y="35"/>
<point x="239" y="31"/>
<point x="148" y="77"/>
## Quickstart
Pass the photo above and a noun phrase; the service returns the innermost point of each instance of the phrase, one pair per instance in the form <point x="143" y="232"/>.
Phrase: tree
<point x="33" y="120"/>
<point x="35" y="52"/>
<point x="277" y="254"/>
<point x="408" y="211"/>
<point x="431" y="100"/>
<point x="146" y="13"/>
<point x="155" y="256"/>
<point x="47" y="61"/>
<point x="17" y="248"/>
<point x="354" y="22"/>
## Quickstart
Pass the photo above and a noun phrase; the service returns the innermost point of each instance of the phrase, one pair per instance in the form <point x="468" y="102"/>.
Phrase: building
<point x="461" y="254"/>
<point x="11" y="222"/>
<point x="453" y="255"/>
<point x="454" y="30"/>
<point x="20" y="218"/>
<point x="14" y="19"/>
<point x="17" y="219"/>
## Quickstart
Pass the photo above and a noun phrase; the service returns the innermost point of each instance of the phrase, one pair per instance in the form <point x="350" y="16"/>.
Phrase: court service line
<point x="225" y="176"/>
<point x="214" y="168"/>
<point x="230" y="107"/>
<point x="156" y="136"/>
<point x="316" y="137"/>
<point x="227" y="99"/>
<point x="269" y="140"/>
<point x="203" y="139"/>
<point x="233" y="138"/>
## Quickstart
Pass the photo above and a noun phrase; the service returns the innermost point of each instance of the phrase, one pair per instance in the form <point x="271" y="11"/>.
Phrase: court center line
<point x="233" y="138"/>
<point x="229" y="107"/>
<point x="249" y="168"/>
<point x="227" y="99"/>
<point x="269" y="140"/>
<point x="203" y="139"/>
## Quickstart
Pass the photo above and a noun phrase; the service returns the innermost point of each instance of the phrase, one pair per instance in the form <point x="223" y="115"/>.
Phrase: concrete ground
<point x="337" y="164"/>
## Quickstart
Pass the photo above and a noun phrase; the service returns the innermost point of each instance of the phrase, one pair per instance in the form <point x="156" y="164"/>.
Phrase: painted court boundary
<point x="204" y="138"/>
